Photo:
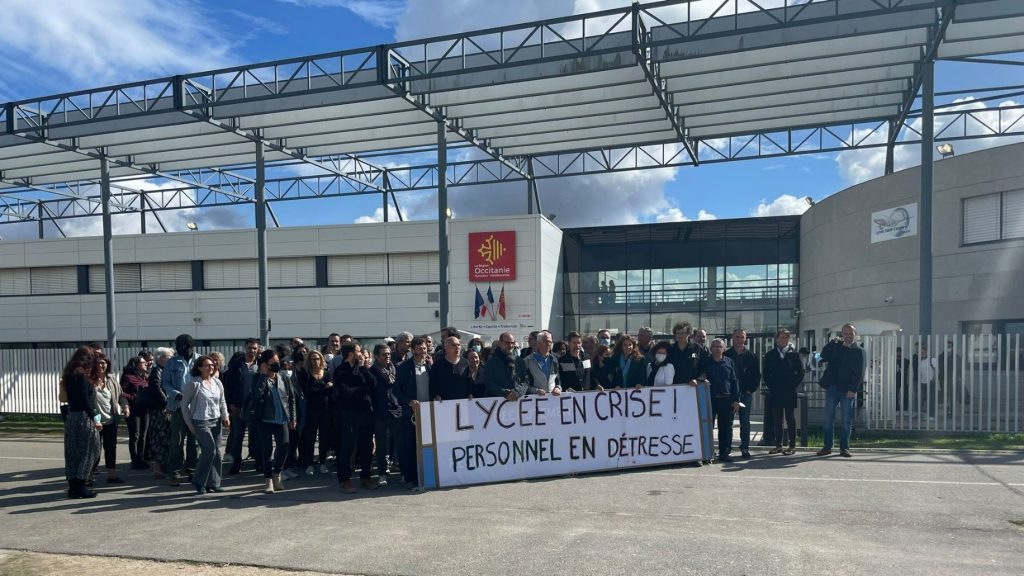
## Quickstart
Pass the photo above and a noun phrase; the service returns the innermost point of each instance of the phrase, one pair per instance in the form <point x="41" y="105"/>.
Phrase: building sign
<point x="492" y="256"/>
<point x="894" y="223"/>
<point x="497" y="440"/>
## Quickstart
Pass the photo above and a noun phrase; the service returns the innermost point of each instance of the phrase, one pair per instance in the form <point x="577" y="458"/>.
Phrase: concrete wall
<point x="844" y="277"/>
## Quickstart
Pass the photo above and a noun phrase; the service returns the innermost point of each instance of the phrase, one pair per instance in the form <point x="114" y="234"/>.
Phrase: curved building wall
<point x="845" y="277"/>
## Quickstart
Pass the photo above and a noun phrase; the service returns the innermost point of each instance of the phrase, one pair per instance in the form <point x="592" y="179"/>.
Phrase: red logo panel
<point x="492" y="256"/>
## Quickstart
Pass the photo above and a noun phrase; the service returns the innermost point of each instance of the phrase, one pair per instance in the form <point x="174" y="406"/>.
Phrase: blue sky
<point x="61" y="45"/>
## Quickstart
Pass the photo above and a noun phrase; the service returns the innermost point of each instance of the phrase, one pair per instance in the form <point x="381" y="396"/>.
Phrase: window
<point x="220" y="274"/>
<point x="55" y="280"/>
<point x="357" y="270"/>
<point x="166" y="276"/>
<point x="291" y="272"/>
<point x="993" y="217"/>
<point x="416" y="268"/>
<point x="127" y="278"/>
<point x="14" y="282"/>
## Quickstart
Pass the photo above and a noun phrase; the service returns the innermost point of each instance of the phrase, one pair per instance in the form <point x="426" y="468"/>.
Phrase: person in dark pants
<point x="181" y="458"/>
<point x="111" y="405"/>
<point x="749" y="373"/>
<point x="903" y="373"/>
<point x="353" y="392"/>
<point x="783" y="374"/>
<point x="82" y="426"/>
<point x="720" y="374"/>
<point x="239" y="378"/>
<point x="387" y="412"/>
<point x="448" y="374"/>
<point x="412" y="386"/>
<point x="274" y="410"/>
<point x="315" y="382"/>
<point x="133" y="387"/>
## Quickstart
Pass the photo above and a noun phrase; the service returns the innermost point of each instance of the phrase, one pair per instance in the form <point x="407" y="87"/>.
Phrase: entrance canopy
<point x="676" y="75"/>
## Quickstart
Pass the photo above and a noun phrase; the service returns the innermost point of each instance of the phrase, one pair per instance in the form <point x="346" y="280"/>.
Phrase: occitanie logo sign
<point x="492" y="256"/>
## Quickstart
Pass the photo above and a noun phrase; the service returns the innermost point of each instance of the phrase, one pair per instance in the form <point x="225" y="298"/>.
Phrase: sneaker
<point x="175" y="480"/>
<point x="217" y="489"/>
<point x="324" y="469"/>
<point x="310" y="471"/>
<point x="745" y="454"/>
<point x="269" y="486"/>
<point x="697" y="464"/>
<point x="347" y="487"/>
<point x="824" y="452"/>
<point x="725" y="458"/>
<point x="382" y="481"/>
<point x="789" y="451"/>
<point x="278" y="483"/>
<point x="776" y="450"/>
<point x="845" y="453"/>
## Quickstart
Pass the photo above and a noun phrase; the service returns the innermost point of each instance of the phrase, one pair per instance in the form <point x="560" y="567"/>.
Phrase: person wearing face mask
<point x="273" y="408"/>
<point x="602" y="368"/>
<point x="290" y="378"/>
<point x="177" y="375"/>
<point x="476" y="345"/>
<point x="573" y="369"/>
<point x="412" y="386"/>
<point x="749" y="374"/>
<point x="604" y="338"/>
<point x="660" y="372"/>
<point x="505" y="373"/>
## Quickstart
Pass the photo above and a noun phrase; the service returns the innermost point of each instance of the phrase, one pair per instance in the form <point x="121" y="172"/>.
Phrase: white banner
<point x="893" y="223"/>
<point x="495" y="440"/>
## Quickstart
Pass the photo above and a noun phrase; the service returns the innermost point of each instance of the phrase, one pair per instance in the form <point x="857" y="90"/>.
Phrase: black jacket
<point x="450" y="381"/>
<point x="353" y="389"/>
<point x="503" y="374"/>
<point x="572" y="374"/>
<point x="685" y="362"/>
<point x="314" y="391"/>
<point x="845" y="365"/>
<point x="783" y="376"/>
<point x="601" y="374"/>
<point x="235" y="380"/>
<point x="748" y="369"/>
<point x="405" y="384"/>
<point x="385" y="403"/>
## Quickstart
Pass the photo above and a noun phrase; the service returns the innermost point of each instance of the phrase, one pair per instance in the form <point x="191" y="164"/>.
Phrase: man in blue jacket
<point x="724" y="388"/>
<point x="844" y="376"/>
<point x="177" y="373"/>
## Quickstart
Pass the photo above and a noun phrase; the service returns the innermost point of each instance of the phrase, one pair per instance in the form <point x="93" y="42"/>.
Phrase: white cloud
<point x="705" y="215"/>
<point x="86" y="44"/>
<point x="784" y="205"/>
<point x="856" y="166"/>
<point x="674" y="214"/>
<point x="382" y="13"/>
<point x="378" y="216"/>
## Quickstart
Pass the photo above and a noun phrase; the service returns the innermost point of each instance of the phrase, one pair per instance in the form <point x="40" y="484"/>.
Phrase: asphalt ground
<point x="876" y="513"/>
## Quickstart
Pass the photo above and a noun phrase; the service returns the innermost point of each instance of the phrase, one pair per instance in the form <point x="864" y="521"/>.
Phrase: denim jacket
<point x="177" y="375"/>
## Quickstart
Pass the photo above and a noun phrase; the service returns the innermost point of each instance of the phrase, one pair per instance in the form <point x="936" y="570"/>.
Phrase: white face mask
<point x="604" y="342"/>
<point x="287" y="373"/>
<point x="660" y="357"/>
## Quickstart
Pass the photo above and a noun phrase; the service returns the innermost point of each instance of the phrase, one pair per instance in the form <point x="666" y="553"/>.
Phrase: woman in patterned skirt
<point x="158" y="440"/>
<point x="82" y="428"/>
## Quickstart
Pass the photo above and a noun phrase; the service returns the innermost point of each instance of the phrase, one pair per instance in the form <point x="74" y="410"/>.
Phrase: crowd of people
<point x="305" y="410"/>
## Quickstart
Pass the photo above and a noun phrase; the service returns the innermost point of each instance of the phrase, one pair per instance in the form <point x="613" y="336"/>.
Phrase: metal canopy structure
<point x="670" y="83"/>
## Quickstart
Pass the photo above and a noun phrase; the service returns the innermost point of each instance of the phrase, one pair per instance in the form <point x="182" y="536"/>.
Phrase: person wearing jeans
<point x="176" y="376"/>
<point x="844" y="376"/>
<point x="723" y="386"/>
<point x="204" y="409"/>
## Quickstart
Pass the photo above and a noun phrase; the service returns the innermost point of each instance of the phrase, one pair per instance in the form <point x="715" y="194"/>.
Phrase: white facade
<point x="380" y="279"/>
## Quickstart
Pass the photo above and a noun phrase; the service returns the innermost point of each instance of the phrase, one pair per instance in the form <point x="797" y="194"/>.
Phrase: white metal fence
<point x="29" y="378"/>
<point x="965" y="383"/>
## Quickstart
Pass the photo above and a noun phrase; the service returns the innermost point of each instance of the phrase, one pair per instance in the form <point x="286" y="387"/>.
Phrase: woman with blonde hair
<point x="81" y="427"/>
<point x="315" y="382"/>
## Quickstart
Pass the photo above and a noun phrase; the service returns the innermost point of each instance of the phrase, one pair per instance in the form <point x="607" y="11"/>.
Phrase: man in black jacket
<point x="412" y="386"/>
<point x="505" y="374"/>
<point x="783" y="374"/>
<point x="387" y="412"/>
<point x="685" y="356"/>
<point x="845" y="376"/>
<point x="749" y="374"/>
<point x="573" y="368"/>
<point x="238" y="381"/>
<point x="449" y="375"/>
<point x="353" y="387"/>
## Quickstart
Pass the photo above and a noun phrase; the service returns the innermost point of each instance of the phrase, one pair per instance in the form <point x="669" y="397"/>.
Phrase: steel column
<point x="925" y="211"/>
<point x="39" y="212"/>
<point x="890" y="148"/>
<point x="261" y="245"/>
<point x="442" y="223"/>
<point x="142" y="211"/>
<point x="108" y="258"/>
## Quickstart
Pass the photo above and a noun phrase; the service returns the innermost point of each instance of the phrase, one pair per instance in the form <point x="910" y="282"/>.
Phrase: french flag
<point x="481" y="307"/>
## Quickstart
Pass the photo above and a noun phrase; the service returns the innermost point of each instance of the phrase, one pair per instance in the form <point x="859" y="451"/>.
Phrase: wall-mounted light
<point x="809" y="200"/>
<point x="946" y="149"/>
<point x="192" y="226"/>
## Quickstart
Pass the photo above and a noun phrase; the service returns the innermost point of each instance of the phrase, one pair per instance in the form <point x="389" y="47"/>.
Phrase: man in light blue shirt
<point x="177" y="373"/>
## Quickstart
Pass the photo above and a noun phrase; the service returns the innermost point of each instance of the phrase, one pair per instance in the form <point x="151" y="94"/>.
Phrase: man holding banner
<point x="720" y="374"/>
<point x="542" y="367"/>
<point x="412" y="386"/>
<point x="505" y="373"/>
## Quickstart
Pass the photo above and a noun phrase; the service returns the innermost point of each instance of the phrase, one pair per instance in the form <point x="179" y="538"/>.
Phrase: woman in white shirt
<point x="661" y="371"/>
<point x="205" y="411"/>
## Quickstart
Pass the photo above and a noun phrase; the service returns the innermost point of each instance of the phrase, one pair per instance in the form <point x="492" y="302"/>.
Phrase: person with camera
<point x="842" y="380"/>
